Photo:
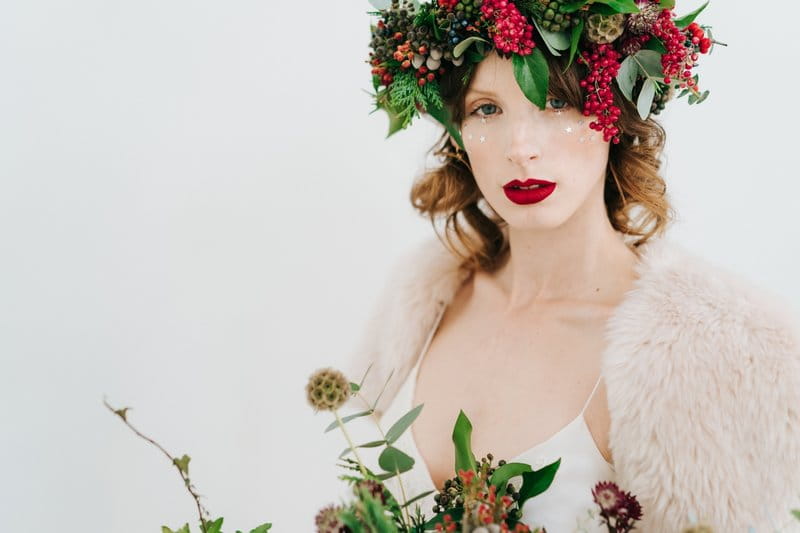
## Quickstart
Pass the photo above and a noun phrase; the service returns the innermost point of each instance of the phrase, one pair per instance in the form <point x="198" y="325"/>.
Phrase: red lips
<point x="528" y="196"/>
<point x="527" y="183"/>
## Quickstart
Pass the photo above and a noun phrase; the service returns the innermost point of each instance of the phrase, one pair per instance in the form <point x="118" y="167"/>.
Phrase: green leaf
<point x="533" y="76"/>
<point x="554" y="41"/>
<point x="184" y="529"/>
<point x="796" y="513"/>
<point x="442" y="115"/>
<point x="627" y="76"/>
<point x="183" y="464"/>
<point x="702" y="97"/>
<point x="354" y="387"/>
<point x="682" y="22"/>
<point x="214" y="527"/>
<point x="393" y="460"/>
<point x="350" y="519"/>
<point x="655" y="44"/>
<point x="374" y="515"/>
<point x="373" y="444"/>
<point x="571" y="7"/>
<point x="646" y="97"/>
<point x="666" y="4"/>
<point x="503" y="473"/>
<point x="401" y="425"/>
<point x="619" y="6"/>
<point x="263" y="528"/>
<point x="461" y="47"/>
<point x="348" y="418"/>
<point x="462" y="438"/>
<point x="536" y="482"/>
<point x="417" y="497"/>
<point x="577" y="30"/>
<point x="375" y="403"/>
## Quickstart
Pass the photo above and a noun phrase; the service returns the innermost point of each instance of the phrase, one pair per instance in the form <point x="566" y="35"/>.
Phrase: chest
<point x="520" y="381"/>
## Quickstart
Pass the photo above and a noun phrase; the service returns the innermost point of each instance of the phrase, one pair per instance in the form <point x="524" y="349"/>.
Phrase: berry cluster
<point x="508" y="27"/>
<point x="677" y="62"/>
<point x="554" y="20"/>
<point x="603" y="63"/>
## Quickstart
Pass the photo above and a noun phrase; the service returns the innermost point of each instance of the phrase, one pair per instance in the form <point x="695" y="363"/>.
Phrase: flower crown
<point x="638" y="43"/>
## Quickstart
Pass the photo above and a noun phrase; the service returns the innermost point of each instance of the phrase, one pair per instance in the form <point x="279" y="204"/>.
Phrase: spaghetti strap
<point x="588" y="401"/>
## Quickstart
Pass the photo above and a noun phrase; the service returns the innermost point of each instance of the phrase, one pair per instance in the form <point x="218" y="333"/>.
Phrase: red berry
<point x="431" y="76"/>
<point x="421" y="82"/>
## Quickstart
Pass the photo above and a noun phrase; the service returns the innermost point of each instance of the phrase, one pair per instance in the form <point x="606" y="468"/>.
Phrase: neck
<point x="583" y="260"/>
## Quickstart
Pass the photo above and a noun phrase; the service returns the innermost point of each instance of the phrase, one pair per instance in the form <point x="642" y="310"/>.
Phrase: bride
<point x="554" y="312"/>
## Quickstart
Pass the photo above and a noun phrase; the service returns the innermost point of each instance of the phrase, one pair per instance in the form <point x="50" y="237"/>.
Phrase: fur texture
<point x="702" y="372"/>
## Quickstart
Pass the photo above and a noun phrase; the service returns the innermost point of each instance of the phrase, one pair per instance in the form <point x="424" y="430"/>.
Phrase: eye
<point x="486" y="110"/>
<point x="558" y="104"/>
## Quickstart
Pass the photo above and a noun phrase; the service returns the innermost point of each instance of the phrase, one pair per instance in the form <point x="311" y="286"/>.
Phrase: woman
<point x="554" y="313"/>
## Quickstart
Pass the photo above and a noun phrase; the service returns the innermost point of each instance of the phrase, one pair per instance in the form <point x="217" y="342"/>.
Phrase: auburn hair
<point x="635" y="192"/>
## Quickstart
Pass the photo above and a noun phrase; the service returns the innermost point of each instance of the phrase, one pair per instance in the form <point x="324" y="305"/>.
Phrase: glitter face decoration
<point x="507" y="137"/>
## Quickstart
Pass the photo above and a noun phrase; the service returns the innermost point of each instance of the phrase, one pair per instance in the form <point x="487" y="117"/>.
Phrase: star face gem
<point x="483" y="138"/>
<point x="568" y="129"/>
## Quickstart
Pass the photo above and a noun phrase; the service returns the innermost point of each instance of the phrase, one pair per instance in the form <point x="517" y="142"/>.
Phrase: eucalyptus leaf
<point x="627" y="75"/>
<point x="536" y="482"/>
<point x="393" y="460"/>
<point x="462" y="439"/>
<point x="646" y="97"/>
<point x="461" y="47"/>
<point x="375" y="403"/>
<point x="373" y="444"/>
<point x="682" y="22"/>
<point x="692" y="98"/>
<point x="346" y="419"/>
<point x="533" y="76"/>
<point x="554" y="41"/>
<point x="366" y="372"/>
<point x="401" y="425"/>
<point x="620" y="6"/>
<point x="381" y="4"/>
<point x="503" y="473"/>
<point x="649" y="62"/>
<point x="417" y="497"/>
<point x="577" y="31"/>
<point x="702" y="97"/>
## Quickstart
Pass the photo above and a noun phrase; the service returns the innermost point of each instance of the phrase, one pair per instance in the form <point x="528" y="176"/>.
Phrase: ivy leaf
<point x="348" y="418"/>
<point x="401" y="425"/>
<point x="533" y="76"/>
<point x="682" y="22"/>
<point x="462" y="438"/>
<point x="619" y="6"/>
<point x="461" y="47"/>
<point x="536" y="482"/>
<point x="577" y="30"/>
<point x="393" y="460"/>
<point x="646" y="97"/>
<point x="627" y="75"/>
<point x="183" y="464"/>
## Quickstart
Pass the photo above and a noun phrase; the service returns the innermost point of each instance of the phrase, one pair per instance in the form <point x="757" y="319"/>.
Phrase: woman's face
<point x="508" y="137"/>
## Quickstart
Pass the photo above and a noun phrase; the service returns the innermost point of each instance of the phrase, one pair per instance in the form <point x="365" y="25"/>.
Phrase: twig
<point x="202" y="511"/>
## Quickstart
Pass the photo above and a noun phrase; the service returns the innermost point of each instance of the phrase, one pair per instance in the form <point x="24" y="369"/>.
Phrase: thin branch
<point x="202" y="511"/>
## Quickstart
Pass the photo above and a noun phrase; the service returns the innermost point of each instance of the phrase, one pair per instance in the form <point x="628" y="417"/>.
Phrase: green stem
<point x="350" y="442"/>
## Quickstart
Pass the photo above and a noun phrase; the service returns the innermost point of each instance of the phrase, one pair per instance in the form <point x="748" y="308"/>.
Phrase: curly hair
<point x="634" y="193"/>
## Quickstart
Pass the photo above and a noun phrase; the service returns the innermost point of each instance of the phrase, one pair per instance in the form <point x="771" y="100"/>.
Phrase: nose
<point x="525" y="141"/>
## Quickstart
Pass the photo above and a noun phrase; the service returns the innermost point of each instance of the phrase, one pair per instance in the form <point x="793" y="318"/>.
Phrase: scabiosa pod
<point x="327" y="389"/>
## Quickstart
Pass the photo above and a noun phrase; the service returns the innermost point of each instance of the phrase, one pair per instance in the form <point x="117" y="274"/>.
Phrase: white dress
<point x="565" y="507"/>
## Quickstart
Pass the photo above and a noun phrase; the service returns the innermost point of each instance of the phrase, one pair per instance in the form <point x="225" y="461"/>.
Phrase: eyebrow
<point x="481" y="91"/>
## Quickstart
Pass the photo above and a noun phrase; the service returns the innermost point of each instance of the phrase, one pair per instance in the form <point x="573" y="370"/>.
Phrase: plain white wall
<point x="196" y="209"/>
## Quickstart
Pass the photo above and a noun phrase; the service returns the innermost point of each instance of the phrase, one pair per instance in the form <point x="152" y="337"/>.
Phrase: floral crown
<point x="639" y="43"/>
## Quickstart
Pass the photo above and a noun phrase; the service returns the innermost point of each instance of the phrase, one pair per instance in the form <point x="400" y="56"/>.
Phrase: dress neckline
<point x="412" y="385"/>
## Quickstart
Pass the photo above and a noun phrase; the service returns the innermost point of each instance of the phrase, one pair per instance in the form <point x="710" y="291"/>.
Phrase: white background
<point x="196" y="209"/>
